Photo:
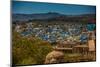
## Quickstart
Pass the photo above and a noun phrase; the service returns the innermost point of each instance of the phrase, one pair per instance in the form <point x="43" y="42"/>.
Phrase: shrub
<point x="29" y="51"/>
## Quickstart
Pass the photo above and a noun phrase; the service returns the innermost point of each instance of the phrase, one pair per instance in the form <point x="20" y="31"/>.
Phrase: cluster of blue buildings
<point x="57" y="32"/>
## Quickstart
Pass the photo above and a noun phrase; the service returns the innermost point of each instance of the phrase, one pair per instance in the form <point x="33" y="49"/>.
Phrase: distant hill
<point x="25" y="17"/>
<point x="51" y="16"/>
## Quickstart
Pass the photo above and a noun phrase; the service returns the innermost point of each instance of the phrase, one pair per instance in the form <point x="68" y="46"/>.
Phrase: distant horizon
<point x="55" y="12"/>
<point x="22" y="7"/>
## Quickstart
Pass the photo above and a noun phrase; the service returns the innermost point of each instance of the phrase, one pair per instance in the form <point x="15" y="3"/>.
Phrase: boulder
<point x="54" y="57"/>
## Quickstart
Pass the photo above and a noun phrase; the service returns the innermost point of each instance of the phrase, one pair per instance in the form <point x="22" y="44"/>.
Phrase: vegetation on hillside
<point x="29" y="50"/>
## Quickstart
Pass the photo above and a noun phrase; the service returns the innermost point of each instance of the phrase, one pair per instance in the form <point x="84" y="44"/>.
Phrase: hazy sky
<point x="38" y="7"/>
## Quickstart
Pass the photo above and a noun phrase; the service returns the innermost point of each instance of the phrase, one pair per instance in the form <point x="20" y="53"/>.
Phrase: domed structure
<point x="54" y="57"/>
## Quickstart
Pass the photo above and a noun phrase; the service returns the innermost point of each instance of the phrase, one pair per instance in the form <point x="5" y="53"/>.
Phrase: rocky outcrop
<point x="54" y="57"/>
